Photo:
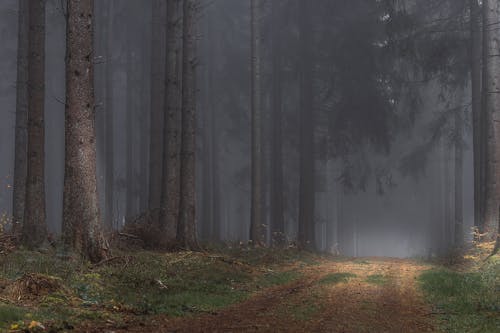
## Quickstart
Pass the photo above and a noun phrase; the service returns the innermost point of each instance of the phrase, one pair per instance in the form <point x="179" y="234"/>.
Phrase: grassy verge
<point x="466" y="301"/>
<point x="61" y="292"/>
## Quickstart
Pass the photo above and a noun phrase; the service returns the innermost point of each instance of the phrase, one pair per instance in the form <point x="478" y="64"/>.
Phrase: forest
<point x="250" y="166"/>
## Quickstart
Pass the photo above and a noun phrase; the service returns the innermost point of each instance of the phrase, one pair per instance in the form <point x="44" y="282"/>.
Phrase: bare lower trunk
<point x="306" y="232"/>
<point x="491" y="105"/>
<point x="81" y="224"/>
<point x="109" y="121"/>
<point x="21" y="139"/>
<point x="459" y="221"/>
<point x="34" y="229"/>
<point x="186" y="232"/>
<point x="170" y="197"/>
<point x="157" y="107"/>
<point x="256" y="233"/>
<point x="276" y="196"/>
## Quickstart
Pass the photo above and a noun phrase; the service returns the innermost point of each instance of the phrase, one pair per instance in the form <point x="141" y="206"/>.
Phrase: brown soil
<point x="393" y="305"/>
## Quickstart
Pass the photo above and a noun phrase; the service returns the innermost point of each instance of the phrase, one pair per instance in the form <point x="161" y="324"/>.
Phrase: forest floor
<point x="248" y="290"/>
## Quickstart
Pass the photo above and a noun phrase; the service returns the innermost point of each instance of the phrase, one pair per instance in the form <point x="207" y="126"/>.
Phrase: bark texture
<point x="256" y="225"/>
<point x="477" y="116"/>
<point x="81" y="224"/>
<point x="21" y="136"/>
<point x="276" y="195"/>
<point x="491" y="109"/>
<point x="170" y="197"/>
<point x="306" y="173"/>
<point x="186" y="232"/>
<point x="157" y="107"/>
<point x="34" y="230"/>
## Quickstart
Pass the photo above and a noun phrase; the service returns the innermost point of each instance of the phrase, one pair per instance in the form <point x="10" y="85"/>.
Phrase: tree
<point x="276" y="195"/>
<point x="306" y="232"/>
<point x="186" y="231"/>
<point x="21" y="139"/>
<point x="81" y="221"/>
<point x="459" y="220"/>
<point x="157" y="107"/>
<point x="34" y="229"/>
<point x="491" y="107"/>
<point x="477" y="116"/>
<point x="170" y="195"/>
<point x="256" y="231"/>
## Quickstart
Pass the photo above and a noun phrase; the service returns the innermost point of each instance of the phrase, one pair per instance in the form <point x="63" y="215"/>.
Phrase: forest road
<point x="346" y="296"/>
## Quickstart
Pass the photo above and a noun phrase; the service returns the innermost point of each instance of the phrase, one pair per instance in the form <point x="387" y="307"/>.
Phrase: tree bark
<point x="34" y="229"/>
<point x="256" y="232"/>
<point x="459" y="220"/>
<point x="81" y="223"/>
<point x="157" y="107"/>
<point x="21" y="135"/>
<point x="186" y="232"/>
<point x="306" y="230"/>
<point x="170" y="197"/>
<point x="276" y="196"/>
<point x="491" y="105"/>
<point x="109" y="120"/>
<point x="477" y="116"/>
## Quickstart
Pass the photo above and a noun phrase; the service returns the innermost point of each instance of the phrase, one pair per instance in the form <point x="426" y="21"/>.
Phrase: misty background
<point x="383" y="114"/>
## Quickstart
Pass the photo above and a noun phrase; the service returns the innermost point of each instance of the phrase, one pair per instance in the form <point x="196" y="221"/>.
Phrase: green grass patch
<point x="377" y="279"/>
<point x="10" y="314"/>
<point x="337" y="278"/>
<point x="278" y="278"/>
<point x="469" y="302"/>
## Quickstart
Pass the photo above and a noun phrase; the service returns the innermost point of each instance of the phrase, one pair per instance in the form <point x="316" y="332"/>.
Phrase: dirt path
<point x="378" y="295"/>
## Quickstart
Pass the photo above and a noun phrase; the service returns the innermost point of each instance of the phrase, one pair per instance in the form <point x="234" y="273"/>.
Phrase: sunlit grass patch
<point x="278" y="278"/>
<point x="335" y="278"/>
<point x="468" y="302"/>
<point x="377" y="279"/>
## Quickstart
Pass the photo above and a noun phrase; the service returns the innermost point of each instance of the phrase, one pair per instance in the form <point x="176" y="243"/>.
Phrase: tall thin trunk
<point x="276" y="196"/>
<point x="109" y="120"/>
<point x="81" y="223"/>
<point x="186" y="232"/>
<point x="34" y="229"/>
<point x="459" y="221"/>
<point x="256" y="232"/>
<point x="21" y="139"/>
<point x="170" y="195"/>
<point x="131" y="139"/>
<point x="475" y="47"/>
<point x="157" y="107"/>
<point x="491" y="105"/>
<point x="306" y="232"/>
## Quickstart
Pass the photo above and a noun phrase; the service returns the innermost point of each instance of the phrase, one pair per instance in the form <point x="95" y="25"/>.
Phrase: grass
<point x="144" y="283"/>
<point x="377" y="279"/>
<point x="10" y="314"/>
<point x="467" y="301"/>
<point x="336" y="278"/>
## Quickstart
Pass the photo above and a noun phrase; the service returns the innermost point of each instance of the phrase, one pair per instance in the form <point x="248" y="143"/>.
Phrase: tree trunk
<point x="34" y="229"/>
<point x="131" y="139"/>
<point x="256" y="231"/>
<point x="157" y="107"/>
<point x="459" y="221"/>
<point x="477" y="117"/>
<point x="186" y="232"/>
<point x="109" y="120"/>
<point x="306" y="231"/>
<point x="21" y="139"/>
<point x="491" y="105"/>
<point x="170" y="197"/>
<point x="81" y="224"/>
<point x="276" y="196"/>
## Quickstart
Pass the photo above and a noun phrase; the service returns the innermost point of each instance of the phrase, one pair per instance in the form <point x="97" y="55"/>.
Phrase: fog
<point x="383" y="91"/>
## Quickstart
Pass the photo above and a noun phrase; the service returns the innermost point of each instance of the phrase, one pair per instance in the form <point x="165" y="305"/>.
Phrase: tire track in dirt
<point x="356" y="306"/>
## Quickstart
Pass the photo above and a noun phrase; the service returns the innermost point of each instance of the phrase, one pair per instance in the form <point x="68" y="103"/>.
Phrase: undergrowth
<point x="139" y="283"/>
<point x="466" y="301"/>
